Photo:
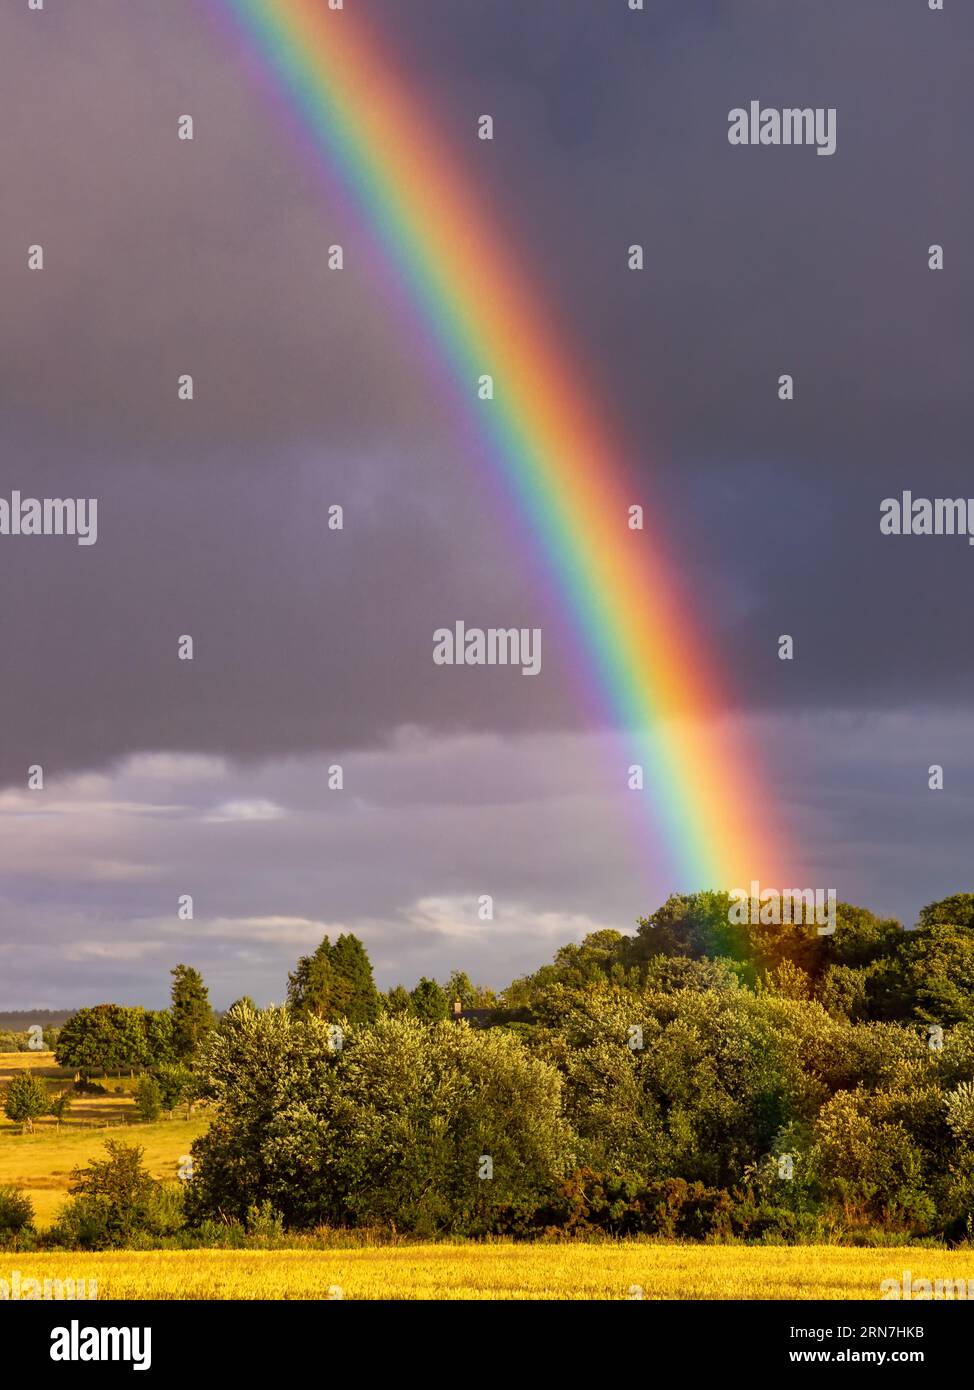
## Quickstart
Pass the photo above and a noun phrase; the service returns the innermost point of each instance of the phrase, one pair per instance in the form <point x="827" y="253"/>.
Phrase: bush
<point x="16" y="1212"/>
<point x="114" y="1200"/>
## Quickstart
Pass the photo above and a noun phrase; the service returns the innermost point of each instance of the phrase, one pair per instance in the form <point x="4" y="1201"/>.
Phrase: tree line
<point x="698" y="1079"/>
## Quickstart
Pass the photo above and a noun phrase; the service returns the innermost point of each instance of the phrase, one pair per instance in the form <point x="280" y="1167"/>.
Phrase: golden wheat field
<point x="501" y="1271"/>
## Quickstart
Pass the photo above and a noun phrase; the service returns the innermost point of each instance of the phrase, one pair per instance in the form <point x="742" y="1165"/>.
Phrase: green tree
<point x="244" y="1002"/>
<point x="60" y="1106"/>
<point x="935" y="974"/>
<point x="955" y="911"/>
<point x="106" y="1038"/>
<point x="429" y="1001"/>
<point x="159" y="1037"/>
<point x="396" y="1127"/>
<point x="114" y="1199"/>
<point x="397" y="1001"/>
<point x="16" y="1212"/>
<point x="309" y="985"/>
<point x="148" y="1098"/>
<point x="175" y="1084"/>
<point x="25" y="1100"/>
<point x="192" y="1017"/>
<point x="356" y="997"/>
<point x="460" y="986"/>
<point x="335" y="982"/>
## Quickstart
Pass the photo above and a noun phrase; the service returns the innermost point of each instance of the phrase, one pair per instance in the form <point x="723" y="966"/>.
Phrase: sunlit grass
<point x="41" y="1162"/>
<point x="502" y="1271"/>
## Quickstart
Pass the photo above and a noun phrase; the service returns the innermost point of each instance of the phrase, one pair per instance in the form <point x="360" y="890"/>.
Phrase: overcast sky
<point x="314" y="647"/>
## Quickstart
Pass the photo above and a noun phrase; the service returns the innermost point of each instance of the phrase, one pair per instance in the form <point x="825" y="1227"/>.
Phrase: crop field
<point x="41" y="1162"/>
<point x="501" y="1271"/>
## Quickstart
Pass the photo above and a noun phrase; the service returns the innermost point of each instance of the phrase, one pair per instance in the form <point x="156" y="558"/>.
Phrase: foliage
<point x="112" y="1038"/>
<point x="148" y="1098"/>
<point x="335" y="983"/>
<point x="25" y="1100"/>
<point x="394" y="1127"/>
<point x="429" y="1002"/>
<point x="114" y="1200"/>
<point x="16" y="1212"/>
<point x="700" y="1079"/>
<point x="192" y="1017"/>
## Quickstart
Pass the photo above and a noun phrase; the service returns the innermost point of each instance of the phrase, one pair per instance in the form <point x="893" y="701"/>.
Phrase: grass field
<point x="500" y="1272"/>
<point x="41" y="1162"/>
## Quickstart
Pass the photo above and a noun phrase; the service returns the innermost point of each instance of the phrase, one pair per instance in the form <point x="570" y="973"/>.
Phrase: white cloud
<point x="247" y="810"/>
<point x="174" y="767"/>
<point x="111" y="950"/>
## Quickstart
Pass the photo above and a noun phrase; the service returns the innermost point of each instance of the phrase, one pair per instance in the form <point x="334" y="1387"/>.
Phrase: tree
<point x="148" y="1098"/>
<point x="192" y="1017"/>
<point x="159" y="1037"/>
<point x="25" y="1100"/>
<point x="107" y="1038"/>
<point x="397" y="1127"/>
<point x="691" y="924"/>
<point x="397" y="1001"/>
<point x="460" y="986"/>
<point x="16" y="1212"/>
<point x="335" y="982"/>
<point x="936" y="974"/>
<point x="175" y="1084"/>
<point x="60" y="1106"/>
<point x="244" y="1002"/>
<point x="955" y="911"/>
<point x="429" y="1001"/>
<point x="114" y="1198"/>
<point x="356" y="997"/>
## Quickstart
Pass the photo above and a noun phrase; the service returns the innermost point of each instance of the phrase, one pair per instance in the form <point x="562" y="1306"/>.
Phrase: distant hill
<point x="19" y="1020"/>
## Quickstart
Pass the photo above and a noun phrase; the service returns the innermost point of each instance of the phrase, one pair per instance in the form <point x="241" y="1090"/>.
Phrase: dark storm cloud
<point x="314" y="388"/>
<point x="165" y="257"/>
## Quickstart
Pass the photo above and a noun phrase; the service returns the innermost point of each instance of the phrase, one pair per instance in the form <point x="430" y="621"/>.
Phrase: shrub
<point x="16" y="1212"/>
<point x="114" y="1199"/>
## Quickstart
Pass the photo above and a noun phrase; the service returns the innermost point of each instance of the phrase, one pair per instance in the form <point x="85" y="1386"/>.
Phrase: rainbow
<point x="556" y="452"/>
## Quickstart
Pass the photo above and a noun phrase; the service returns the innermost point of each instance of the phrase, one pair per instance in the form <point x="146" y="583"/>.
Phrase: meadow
<point x="499" y="1271"/>
<point x="41" y="1163"/>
